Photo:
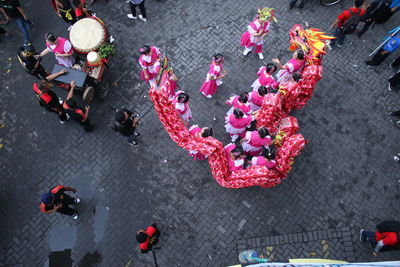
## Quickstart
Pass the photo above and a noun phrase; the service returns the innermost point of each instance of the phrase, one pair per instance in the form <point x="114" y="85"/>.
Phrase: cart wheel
<point x="88" y="94"/>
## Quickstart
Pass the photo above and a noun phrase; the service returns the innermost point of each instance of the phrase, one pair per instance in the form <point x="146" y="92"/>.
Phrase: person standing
<point x="295" y="64"/>
<point x="65" y="11"/>
<point x="377" y="12"/>
<point x="346" y="22"/>
<point x="391" y="45"/>
<point x="61" y="47"/>
<point x="77" y="113"/>
<point x="133" y="4"/>
<point x="57" y="201"/>
<point x="27" y="57"/>
<point x="181" y="105"/>
<point x="12" y="10"/>
<point x="256" y="31"/>
<point x="125" y="122"/>
<point x="150" y="63"/>
<point x="47" y="98"/>
<point x="214" y="76"/>
<point x="254" y="141"/>
<point x="265" y="77"/>
<point x="236" y="123"/>
<point x="256" y="98"/>
<point x="239" y="101"/>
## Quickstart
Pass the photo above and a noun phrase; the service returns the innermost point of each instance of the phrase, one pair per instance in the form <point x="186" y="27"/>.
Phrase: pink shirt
<point x="193" y="130"/>
<point x="254" y="139"/>
<point x="256" y="27"/>
<point x="215" y="70"/>
<point x="148" y="61"/>
<point x="234" y="165"/>
<point x="266" y="79"/>
<point x="294" y="65"/>
<point x="182" y="108"/>
<point x="256" y="99"/>
<point x="234" y="102"/>
<point x="261" y="161"/>
<point x="241" y="122"/>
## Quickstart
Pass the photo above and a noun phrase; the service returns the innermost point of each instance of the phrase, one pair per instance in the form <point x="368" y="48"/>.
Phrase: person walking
<point x="47" y="98"/>
<point x="378" y="12"/>
<point x="214" y="76"/>
<point x="391" y="45"/>
<point x="125" y="122"/>
<point x="253" y="38"/>
<point x="28" y="59"/>
<point x="133" y="4"/>
<point x="12" y="10"/>
<point x="346" y="22"/>
<point x="150" y="62"/>
<point x="77" y="113"/>
<point x="57" y="201"/>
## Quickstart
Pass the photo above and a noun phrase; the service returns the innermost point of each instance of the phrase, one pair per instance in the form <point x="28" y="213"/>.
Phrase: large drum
<point x="87" y="35"/>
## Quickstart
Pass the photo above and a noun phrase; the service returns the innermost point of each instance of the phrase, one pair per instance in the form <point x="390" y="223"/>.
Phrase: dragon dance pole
<point x="384" y="42"/>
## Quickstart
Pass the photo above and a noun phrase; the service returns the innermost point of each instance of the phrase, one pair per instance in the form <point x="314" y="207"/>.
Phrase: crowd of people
<point x="250" y="145"/>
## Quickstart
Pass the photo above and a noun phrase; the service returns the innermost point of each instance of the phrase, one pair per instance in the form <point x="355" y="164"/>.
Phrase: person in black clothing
<point x="57" y="201"/>
<point x="65" y="11"/>
<point x="133" y="4"/>
<point x="79" y="114"/>
<point x="377" y="12"/>
<point x="47" y="98"/>
<point x="27" y="58"/>
<point x="4" y="32"/>
<point x="13" y="10"/>
<point x="125" y="123"/>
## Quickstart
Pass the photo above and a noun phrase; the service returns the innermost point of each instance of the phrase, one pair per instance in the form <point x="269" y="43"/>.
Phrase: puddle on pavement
<point x="100" y="219"/>
<point x="62" y="237"/>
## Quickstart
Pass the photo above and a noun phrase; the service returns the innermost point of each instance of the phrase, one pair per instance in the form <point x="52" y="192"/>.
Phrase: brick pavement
<point x="340" y="183"/>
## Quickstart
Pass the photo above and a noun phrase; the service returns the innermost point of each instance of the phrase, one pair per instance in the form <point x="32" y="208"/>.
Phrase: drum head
<point x="88" y="94"/>
<point x="87" y="35"/>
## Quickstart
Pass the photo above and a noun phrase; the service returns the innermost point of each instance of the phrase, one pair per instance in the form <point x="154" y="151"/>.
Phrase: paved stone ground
<point x="344" y="180"/>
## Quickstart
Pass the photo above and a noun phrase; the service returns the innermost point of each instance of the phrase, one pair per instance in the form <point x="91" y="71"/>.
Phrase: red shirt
<point x="346" y="15"/>
<point x="388" y="238"/>
<point x="45" y="96"/>
<point x="79" y="11"/>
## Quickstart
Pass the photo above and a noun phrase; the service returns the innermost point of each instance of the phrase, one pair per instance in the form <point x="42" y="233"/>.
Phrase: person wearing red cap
<point x="57" y="201"/>
<point x="148" y="238"/>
